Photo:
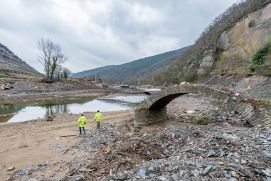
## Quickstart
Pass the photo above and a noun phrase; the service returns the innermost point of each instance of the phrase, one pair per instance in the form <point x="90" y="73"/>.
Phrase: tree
<point x="51" y="57"/>
<point x="66" y="72"/>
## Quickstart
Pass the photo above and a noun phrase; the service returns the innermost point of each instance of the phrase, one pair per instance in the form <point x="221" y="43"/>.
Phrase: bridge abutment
<point x="146" y="116"/>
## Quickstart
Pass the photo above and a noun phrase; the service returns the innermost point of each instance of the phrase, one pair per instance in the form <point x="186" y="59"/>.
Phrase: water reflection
<point x="22" y="113"/>
<point x="132" y="99"/>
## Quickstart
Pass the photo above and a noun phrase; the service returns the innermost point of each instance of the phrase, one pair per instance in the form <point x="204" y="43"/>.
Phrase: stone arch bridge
<point x="153" y="109"/>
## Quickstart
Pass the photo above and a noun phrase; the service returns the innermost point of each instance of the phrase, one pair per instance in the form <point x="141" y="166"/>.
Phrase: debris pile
<point x="174" y="153"/>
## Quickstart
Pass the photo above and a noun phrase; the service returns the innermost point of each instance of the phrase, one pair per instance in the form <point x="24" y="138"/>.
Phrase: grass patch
<point x="199" y="120"/>
<point x="266" y="102"/>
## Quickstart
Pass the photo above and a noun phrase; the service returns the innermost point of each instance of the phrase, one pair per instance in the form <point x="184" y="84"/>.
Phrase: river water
<point x="26" y="112"/>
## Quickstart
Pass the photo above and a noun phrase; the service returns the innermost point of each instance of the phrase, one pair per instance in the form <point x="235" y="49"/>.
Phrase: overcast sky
<point x="94" y="33"/>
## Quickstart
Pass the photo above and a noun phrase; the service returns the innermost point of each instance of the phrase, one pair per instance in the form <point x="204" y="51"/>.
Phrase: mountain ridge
<point x="134" y="71"/>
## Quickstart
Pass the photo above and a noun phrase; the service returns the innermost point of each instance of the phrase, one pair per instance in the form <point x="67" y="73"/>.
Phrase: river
<point x="34" y="111"/>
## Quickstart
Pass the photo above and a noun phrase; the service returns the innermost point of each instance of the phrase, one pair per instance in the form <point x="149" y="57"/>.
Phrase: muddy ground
<point x="175" y="149"/>
<point x="40" y="142"/>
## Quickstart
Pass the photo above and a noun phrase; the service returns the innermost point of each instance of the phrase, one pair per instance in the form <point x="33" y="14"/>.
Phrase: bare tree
<point x="51" y="57"/>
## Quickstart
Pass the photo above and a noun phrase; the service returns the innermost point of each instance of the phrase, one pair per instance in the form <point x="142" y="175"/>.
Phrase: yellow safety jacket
<point x="82" y="121"/>
<point x="98" y="116"/>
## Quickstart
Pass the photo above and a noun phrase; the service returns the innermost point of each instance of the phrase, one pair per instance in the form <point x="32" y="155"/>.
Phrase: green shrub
<point x="251" y="68"/>
<point x="266" y="102"/>
<point x="199" y="120"/>
<point x="259" y="57"/>
<point x="252" y="23"/>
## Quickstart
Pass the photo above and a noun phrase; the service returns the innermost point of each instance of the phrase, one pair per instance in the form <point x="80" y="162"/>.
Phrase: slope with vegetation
<point x="134" y="72"/>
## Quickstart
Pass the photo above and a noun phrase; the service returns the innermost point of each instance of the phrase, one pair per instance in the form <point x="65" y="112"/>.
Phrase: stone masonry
<point x="153" y="109"/>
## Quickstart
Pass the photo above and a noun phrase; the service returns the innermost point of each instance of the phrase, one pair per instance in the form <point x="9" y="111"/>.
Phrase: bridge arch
<point x="153" y="108"/>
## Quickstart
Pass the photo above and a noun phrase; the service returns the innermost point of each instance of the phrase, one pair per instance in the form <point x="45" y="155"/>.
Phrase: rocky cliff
<point x="238" y="42"/>
<point x="238" y="45"/>
<point x="12" y="64"/>
<point x="233" y="51"/>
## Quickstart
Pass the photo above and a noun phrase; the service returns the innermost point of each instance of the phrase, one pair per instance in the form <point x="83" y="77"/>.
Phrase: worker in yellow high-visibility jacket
<point x="98" y="118"/>
<point x="82" y="122"/>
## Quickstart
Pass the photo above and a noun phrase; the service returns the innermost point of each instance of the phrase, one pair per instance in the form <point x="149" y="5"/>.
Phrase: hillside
<point x="135" y="71"/>
<point x="238" y="42"/>
<point x="11" y="64"/>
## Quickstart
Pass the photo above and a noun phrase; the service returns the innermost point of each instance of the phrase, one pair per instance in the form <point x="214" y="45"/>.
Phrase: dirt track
<point x="42" y="142"/>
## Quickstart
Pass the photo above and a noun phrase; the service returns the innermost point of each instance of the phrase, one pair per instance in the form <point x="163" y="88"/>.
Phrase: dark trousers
<point x="98" y="124"/>
<point x="82" y="129"/>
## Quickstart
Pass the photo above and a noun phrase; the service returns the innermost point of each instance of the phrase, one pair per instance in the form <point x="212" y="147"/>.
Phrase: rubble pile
<point x="178" y="152"/>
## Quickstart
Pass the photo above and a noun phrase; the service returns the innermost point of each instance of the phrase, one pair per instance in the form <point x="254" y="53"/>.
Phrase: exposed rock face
<point x="206" y="64"/>
<point x="240" y="43"/>
<point x="11" y="63"/>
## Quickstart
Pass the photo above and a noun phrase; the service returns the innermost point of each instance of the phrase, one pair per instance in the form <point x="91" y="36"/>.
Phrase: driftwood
<point x="68" y="135"/>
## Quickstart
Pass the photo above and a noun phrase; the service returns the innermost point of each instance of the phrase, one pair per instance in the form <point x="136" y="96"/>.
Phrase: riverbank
<point x="36" y="91"/>
<point x="37" y="142"/>
<point x="170" y="150"/>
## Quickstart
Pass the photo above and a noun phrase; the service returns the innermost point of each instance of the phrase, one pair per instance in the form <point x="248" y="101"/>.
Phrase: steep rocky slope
<point x="238" y="42"/>
<point x="12" y="64"/>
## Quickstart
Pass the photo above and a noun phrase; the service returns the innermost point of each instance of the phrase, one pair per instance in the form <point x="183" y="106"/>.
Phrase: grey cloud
<point x="95" y="33"/>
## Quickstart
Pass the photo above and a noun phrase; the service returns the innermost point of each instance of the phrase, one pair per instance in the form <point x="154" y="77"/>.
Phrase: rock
<point x="33" y="179"/>
<point x="162" y="178"/>
<point x="243" y="161"/>
<point x="151" y="170"/>
<point x="75" y="178"/>
<point x="142" y="173"/>
<point x="152" y="175"/>
<point x="181" y="173"/>
<point x="190" y="111"/>
<point x="224" y="41"/>
<point x="175" y="177"/>
<point x="11" y="168"/>
<point x="207" y="169"/>
<point x="206" y="64"/>
<point x="267" y="172"/>
<point x="211" y="154"/>
<point x="258" y="171"/>
<point x="234" y="174"/>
